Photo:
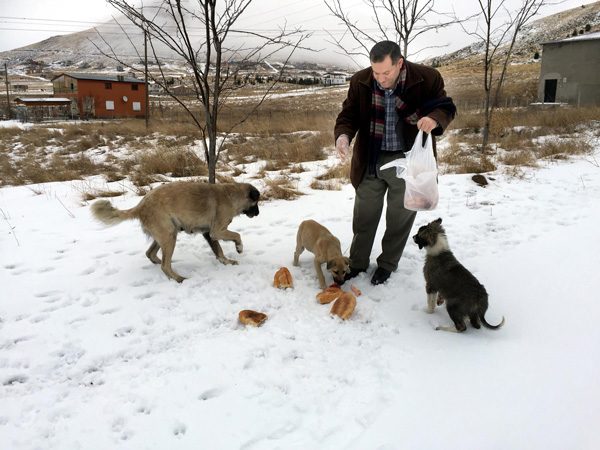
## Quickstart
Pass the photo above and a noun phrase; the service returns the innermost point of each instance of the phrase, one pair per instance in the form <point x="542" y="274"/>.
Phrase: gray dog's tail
<point x="108" y="214"/>
<point x="491" y="327"/>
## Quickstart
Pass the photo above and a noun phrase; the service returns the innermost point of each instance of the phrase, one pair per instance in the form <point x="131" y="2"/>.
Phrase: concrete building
<point x="570" y="71"/>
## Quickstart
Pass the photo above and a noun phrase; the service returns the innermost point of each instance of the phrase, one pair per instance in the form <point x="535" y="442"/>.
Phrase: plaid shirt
<point x="391" y="142"/>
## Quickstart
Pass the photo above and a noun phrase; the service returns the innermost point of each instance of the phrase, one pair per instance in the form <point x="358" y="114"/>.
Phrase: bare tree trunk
<point x="493" y="36"/>
<point x="168" y="25"/>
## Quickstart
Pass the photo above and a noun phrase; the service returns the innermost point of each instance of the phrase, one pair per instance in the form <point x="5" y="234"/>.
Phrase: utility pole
<point x="146" y="75"/>
<point x="7" y="92"/>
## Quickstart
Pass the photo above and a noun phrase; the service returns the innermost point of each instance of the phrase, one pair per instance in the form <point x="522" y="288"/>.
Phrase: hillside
<point x="85" y="48"/>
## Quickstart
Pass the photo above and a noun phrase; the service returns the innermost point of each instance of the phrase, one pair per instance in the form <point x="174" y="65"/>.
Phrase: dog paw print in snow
<point x="179" y="429"/>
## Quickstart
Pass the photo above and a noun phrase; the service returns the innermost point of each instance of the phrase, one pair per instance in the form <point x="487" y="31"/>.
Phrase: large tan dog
<point x="317" y="239"/>
<point x="193" y="207"/>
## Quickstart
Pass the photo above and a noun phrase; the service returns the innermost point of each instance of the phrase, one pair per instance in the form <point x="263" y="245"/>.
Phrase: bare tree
<point x="401" y="21"/>
<point x="213" y="61"/>
<point x="498" y="36"/>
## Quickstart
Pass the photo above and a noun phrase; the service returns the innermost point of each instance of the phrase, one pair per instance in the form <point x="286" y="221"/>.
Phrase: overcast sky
<point x="24" y="22"/>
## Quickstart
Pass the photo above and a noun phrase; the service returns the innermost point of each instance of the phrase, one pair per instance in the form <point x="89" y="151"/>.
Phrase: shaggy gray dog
<point x="448" y="280"/>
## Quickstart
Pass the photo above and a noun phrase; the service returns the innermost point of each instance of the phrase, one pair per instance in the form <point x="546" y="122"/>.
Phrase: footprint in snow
<point x="15" y="379"/>
<point x="179" y="429"/>
<point x="210" y="393"/>
<point x="90" y="270"/>
<point x="124" y="331"/>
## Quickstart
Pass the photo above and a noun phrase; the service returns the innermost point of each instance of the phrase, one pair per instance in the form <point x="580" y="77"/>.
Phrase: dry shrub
<point x="82" y="144"/>
<point x="474" y="164"/>
<point x="563" y="149"/>
<point x="454" y="154"/>
<point x="280" y="188"/>
<point x="518" y="158"/>
<point x="518" y="139"/>
<point x="288" y="148"/>
<point x="91" y="195"/>
<point x="337" y="171"/>
<point x="565" y="119"/>
<point x="277" y="165"/>
<point x="9" y="133"/>
<point x="471" y="121"/>
<point x="140" y="179"/>
<point x="297" y="168"/>
<point x="36" y="138"/>
<point x="175" y="162"/>
<point x="308" y="112"/>
<point x="330" y="185"/>
<point x="8" y="170"/>
<point x="224" y="178"/>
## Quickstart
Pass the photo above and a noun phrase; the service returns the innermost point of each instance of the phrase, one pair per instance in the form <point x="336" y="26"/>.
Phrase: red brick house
<point x="102" y="96"/>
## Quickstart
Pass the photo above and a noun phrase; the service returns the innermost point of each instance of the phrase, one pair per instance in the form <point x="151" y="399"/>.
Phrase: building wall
<point x="92" y="97"/>
<point x="575" y="65"/>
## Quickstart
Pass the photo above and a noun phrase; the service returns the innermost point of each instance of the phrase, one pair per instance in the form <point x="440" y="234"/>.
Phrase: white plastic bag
<point x="420" y="175"/>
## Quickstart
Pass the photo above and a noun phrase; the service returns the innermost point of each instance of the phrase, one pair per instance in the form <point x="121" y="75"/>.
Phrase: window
<point x="108" y="85"/>
<point x="110" y="105"/>
<point x="134" y="87"/>
<point x="137" y="106"/>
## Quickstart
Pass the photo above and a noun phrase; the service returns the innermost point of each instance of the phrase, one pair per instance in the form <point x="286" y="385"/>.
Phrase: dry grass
<point x="463" y="159"/>
<point x="337" y="172"/>
<point x="282" y="149"/>
<point x="280" y="188"/>
<point x="561" y="149"/>
<point x="284" y="133"/>
<point x="518" y="158"/>
<point x="297" y="168"/>
<point x="331" y="185"/>
<point x="92" y="195"/>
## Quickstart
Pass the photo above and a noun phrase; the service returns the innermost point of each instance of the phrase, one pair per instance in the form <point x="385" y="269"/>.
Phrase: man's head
<point x="386" y="62"/>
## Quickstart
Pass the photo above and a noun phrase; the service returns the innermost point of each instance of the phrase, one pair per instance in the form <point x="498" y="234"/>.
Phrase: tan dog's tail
<point x="106" y="213"/>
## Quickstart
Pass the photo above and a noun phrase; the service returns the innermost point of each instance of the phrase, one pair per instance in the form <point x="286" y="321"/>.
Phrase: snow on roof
<point x="100" y="77"/>
<point x="581" y="37"/>
<point x="43" y="100"/>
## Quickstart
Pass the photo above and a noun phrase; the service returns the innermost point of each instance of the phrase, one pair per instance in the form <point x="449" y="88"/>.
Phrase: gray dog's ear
<point x="439" y="220"/>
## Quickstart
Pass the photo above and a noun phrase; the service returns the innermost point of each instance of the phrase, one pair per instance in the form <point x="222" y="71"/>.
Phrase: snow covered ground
<point x="99" y="350"/>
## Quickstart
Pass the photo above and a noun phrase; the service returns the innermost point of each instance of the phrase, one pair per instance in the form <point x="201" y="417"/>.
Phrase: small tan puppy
<point x="317" y="239"/>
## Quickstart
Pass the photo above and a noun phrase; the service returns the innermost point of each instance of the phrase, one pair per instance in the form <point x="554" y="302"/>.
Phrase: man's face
<point x="386" y="73"/>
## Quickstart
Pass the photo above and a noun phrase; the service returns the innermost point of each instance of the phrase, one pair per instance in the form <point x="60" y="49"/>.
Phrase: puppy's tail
<point x="108" y="214"/>
<point x="487" y="325"/>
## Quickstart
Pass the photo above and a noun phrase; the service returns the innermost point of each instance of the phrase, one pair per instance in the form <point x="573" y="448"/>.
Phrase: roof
<point x="579" y="37"/>
<point x="100" y="77"/>
<point x="42" y="100"/>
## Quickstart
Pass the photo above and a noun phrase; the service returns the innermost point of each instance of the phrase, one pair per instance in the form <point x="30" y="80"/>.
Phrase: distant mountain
<point x="580" y="20"/>
<point x="81" y="49"/>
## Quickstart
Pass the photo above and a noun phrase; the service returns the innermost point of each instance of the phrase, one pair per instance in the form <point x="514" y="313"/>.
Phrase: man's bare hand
<point x="427" y="124"/>
<point x="342" y="146"/>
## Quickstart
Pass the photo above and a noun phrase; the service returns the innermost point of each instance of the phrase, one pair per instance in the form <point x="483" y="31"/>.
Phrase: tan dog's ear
<point x="347" y="261"/>
<point x="330" y="264"/>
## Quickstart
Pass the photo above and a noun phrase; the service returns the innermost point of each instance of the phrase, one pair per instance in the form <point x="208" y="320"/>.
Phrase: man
<point x="387" y="104"/>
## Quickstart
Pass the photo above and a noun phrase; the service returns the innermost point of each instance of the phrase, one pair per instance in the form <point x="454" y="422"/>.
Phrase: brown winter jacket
<point x="423" y="85"/>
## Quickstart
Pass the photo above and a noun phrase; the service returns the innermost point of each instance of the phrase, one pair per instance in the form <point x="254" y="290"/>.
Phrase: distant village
<point x="37" y="91"/>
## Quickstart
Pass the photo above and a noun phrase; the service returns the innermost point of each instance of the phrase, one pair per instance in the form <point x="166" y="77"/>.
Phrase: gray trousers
<point x="368" y="206"/>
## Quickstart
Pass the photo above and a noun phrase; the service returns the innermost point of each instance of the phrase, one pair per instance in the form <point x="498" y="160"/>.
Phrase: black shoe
<point x="380" y="276"/>
<point x="352" y="273"/>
